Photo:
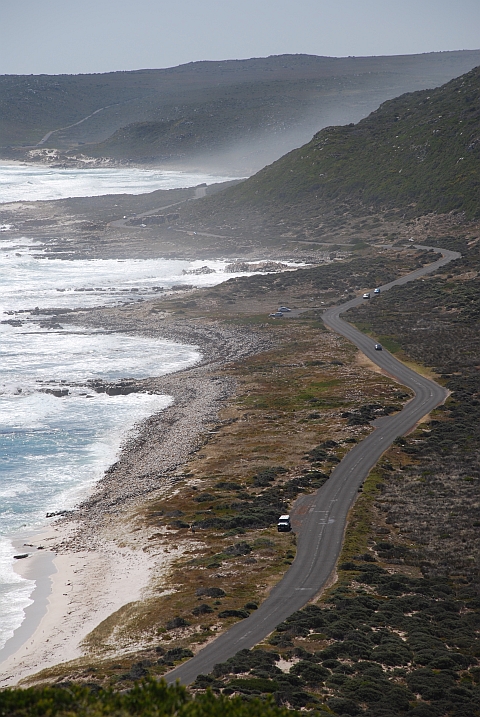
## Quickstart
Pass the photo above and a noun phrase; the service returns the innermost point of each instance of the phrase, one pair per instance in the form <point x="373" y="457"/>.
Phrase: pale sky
<point x="75" y="36"/>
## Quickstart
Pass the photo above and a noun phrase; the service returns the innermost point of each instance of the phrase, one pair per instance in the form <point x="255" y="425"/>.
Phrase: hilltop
<point x="394" y="175"/>
<point x="234" y="114"/>
<point x="398" y="631"/>
<point x="415" y="155"/>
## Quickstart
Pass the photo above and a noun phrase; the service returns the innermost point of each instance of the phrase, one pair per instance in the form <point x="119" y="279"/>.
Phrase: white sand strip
<point x="86" y="588"/>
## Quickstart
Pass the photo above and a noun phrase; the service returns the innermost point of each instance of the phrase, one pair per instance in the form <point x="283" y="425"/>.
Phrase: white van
<point x="284" y="525"/>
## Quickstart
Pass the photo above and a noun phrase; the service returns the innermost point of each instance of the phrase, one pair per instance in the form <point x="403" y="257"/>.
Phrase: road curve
<point x="322" y="525"/>
<point x="60" y="129"/>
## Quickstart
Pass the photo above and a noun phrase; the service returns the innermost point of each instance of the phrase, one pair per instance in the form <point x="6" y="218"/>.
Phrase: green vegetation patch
<point x="399" y="634"/>
<point x="389" y="644"/>
<point x="418" y="153"/>
<point x="148" y="698"/>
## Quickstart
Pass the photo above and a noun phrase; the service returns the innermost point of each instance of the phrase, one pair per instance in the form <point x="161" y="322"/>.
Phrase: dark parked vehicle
<point x="376" y="291"/>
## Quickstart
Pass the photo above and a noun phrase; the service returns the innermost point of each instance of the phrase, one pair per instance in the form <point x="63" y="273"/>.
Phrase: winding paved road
<point x="320" y="519"/>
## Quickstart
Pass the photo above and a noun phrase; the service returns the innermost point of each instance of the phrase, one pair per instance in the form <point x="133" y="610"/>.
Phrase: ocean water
<point x="53" y="449"/>
<point x="26" y="182"/>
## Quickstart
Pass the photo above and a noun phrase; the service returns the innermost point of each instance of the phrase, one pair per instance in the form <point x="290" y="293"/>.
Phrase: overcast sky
<point x="73" y="36"/>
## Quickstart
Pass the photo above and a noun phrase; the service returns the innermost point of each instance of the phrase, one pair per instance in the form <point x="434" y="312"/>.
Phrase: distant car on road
<point x="378" y="347"/>
<point x="284" y="309"/>
<point x="276" y="315"/>
<point x="376" y="291"/>
<point x="366" y="295"/>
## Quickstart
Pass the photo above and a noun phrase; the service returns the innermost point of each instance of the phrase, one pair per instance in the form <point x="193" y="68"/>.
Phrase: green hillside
<point x="419" y="152"/>
<point x="268" y="105"/>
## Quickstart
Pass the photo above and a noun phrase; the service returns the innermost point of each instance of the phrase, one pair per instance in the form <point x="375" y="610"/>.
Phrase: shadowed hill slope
<point x="419" y="152"/>
<point x="241" y="113"/>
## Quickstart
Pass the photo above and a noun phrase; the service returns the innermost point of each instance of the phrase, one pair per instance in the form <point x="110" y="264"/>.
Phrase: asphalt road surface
<point x="319" y="519"/>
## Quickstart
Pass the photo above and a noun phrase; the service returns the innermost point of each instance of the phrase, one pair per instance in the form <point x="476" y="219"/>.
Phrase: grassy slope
<point x="420" y="151"/>
<point x="399" y="632"/>
<point x="226" y="116"/>
<point x="30" y="106"/>
<point x="294" y="389"/>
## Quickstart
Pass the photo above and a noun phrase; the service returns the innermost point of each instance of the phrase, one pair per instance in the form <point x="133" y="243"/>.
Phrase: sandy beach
<point x="83" y="589"/>
<point x="98" y="559"/>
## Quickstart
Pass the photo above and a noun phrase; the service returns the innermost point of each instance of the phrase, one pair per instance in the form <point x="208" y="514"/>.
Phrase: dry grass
<point x="288" y="400"/>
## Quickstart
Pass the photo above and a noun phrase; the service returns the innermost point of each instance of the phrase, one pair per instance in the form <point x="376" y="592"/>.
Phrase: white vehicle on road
<point x="284" y="525"/>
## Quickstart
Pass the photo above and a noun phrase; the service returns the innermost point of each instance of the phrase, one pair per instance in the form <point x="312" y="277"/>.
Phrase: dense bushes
<point x="407" y="641"/>
<point x="262" y="510"/>
<point x="418" y="153"/>
<point x="434" y="497"/>
<point x="146" y="699"/>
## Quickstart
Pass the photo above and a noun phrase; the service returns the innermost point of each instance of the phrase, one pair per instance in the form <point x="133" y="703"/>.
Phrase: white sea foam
<point x="37" y="182"/>
<point x="53" y="449"/>
<point x="15" y="593"/>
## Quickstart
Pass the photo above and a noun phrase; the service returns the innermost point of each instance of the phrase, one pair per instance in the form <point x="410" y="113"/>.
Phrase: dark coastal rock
<point x="58" y="392"/>
<point x="50" y="325"/>
<point x="119" y="388"/>
<point x="243" y="266"/>
<point x="37" y="311"/>
<point x="198" y="272"/>
<point x="57" y="513"/>
<point x="12" y="322"/>
<point x="20" y="557"/>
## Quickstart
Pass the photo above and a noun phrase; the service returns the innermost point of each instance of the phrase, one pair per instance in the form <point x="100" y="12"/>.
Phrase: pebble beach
<point x="96" y="559"/>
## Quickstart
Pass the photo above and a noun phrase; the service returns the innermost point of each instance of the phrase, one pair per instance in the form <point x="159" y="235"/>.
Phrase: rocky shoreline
<point x="153" y="455"/>
<point x="93" y="545"/>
